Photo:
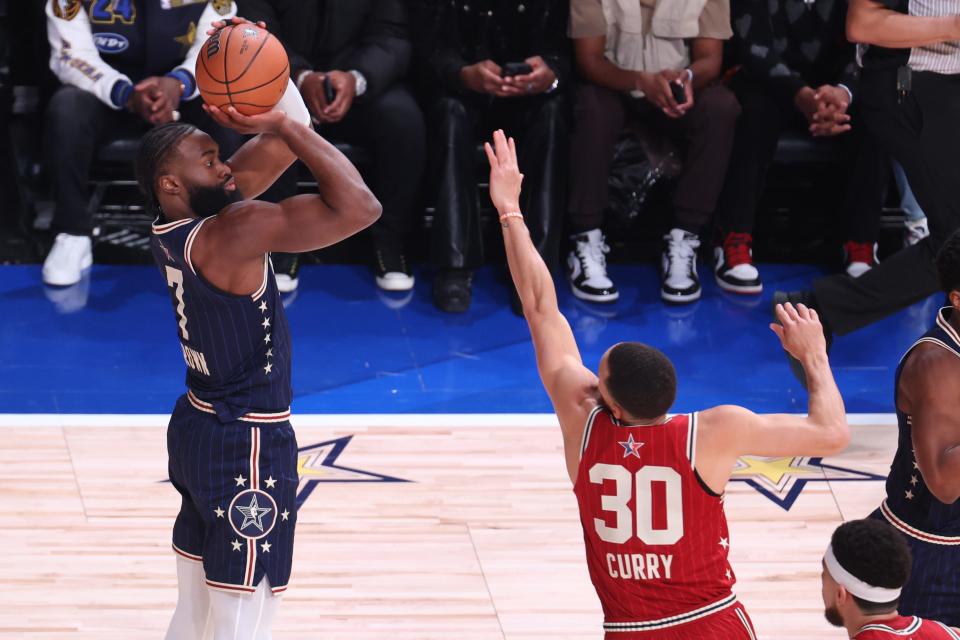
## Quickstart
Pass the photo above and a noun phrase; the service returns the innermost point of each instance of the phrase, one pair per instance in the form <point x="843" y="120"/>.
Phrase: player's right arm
<point x="934" y="408"/>
<point x="571" y="386"/>
<point x="230" y="247"/>
<point x="727" y="432"/>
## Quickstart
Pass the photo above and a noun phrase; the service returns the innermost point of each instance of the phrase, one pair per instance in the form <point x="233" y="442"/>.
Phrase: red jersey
<point x="906" y="628"/>
<point x="656" y="537"/>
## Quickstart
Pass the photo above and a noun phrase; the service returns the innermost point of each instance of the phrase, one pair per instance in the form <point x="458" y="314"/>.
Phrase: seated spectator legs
<point x="390" y="127"/>
<point x="755" y="141"/>
<point x="863" y="202"/>
<point x="915" y="222"/>
<point x="599" y="115"/>
<point x="928" y="156"/>
<point x="456" y="247"/>
<point x="77" y="122"/>
<point x="708" y="128"/>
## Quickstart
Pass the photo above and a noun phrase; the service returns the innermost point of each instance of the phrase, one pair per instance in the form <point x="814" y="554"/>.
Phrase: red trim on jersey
<point x="188" y="556"/>
<point x="910" y="627"/>
<point x="223" y="586"/>
<point x="206" y="407"/>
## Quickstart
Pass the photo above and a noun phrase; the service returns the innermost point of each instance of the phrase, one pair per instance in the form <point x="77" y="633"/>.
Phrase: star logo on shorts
<point x="631" y="447"/>
<point x="253" y="513"/>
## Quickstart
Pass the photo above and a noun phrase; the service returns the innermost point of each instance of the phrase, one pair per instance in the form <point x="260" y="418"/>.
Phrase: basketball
<point x="244" y="66"/>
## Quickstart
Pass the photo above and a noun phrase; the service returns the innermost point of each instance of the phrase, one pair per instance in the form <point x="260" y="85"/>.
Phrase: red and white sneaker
<point x="733" y="265"/>
<point x="859" y="257"/>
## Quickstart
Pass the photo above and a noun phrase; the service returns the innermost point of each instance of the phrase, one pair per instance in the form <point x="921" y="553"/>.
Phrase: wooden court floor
<point x="482" y="542"/>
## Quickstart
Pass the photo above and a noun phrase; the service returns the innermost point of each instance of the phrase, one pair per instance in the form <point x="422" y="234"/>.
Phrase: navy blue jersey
<point x="908" y="498"/>
<point x="237" y="348"/>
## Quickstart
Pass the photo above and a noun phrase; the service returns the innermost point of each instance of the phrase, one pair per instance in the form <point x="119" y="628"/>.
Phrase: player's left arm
<point x="935" y="412"/>
<point x="571" y="386"/>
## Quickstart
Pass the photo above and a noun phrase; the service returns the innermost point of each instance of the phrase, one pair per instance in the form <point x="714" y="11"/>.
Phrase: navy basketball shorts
<point x="933" y="591"/>
<point x="238" y="484"/>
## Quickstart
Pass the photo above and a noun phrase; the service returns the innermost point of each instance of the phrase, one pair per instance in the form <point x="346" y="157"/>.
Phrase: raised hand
<point x="505" y="176"/>
<point x="269" y="122"/>
<point x="800" y="331"/>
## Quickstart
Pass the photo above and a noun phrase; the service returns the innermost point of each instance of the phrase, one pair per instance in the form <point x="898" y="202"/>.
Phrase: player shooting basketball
<point x="650" y="488"/>
<point x="232" y="451"/>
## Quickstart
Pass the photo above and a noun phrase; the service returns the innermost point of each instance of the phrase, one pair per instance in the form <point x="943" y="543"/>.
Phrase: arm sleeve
<point x="74" y="58"/>
<point x="384" y="49"/>
<point x="754" y="35"/>
<point x="184" y="71"/>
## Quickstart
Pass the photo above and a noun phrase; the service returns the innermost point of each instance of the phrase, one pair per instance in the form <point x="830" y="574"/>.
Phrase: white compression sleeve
<point x="244" y="616"/>
<point x="193" y="602"/>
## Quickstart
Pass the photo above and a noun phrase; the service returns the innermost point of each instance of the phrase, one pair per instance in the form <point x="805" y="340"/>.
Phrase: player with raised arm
<point x="650" y="488"/>
<point x="232" y="451"/>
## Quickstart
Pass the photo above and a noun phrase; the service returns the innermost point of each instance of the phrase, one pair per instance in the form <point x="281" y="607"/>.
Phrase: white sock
<point x="193" y="602"/>
<point x="246" y="616"/>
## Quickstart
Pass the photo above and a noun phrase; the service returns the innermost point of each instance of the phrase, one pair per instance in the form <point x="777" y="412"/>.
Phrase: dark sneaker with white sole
<point x="678" y="268"/>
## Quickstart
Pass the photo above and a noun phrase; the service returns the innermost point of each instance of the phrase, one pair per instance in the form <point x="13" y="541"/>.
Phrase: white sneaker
<point x="915" y="231"/>
<point x="391" y="268"/>
<point x="678" y="268"/>
<point x="587" y="268"/>
<point x="68" y="257"/>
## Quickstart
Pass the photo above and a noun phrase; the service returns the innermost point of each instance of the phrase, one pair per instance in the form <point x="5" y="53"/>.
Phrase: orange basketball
<point x="244" y="66"/>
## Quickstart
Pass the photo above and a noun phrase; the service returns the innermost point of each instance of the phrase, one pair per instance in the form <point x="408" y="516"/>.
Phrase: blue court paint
<point x="109" y="345"/>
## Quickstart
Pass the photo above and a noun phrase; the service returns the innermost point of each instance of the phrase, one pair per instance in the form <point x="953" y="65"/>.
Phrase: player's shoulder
<point x="930" y="363"/>
<point x="723" y="414"/>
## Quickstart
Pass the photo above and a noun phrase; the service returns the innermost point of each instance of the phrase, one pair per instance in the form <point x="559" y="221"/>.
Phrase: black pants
<point x="764" y="117"/>
<point x="539" y="124"/>
<point x="706" y="130"/>
<point x="77" y="124"/>
<point x="390" y="129"/>
<point x="920" y="131"/>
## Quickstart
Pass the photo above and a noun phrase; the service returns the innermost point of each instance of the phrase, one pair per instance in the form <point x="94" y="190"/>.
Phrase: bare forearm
<point x="825" y="404"/>
<point x="600" y="71"/>
<point x="869" y="22"/>
<point x="339" y="183"/>
<point x="707" y="61"/>
<point x="530" y="275"/>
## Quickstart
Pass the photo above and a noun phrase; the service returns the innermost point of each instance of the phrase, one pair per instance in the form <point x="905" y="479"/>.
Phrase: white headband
<point x="855" y="585"/>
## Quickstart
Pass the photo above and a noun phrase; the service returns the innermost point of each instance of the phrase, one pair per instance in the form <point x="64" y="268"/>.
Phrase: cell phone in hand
<point x="328" y="91"/>
<point x="516" y="69"/>
<point x="676" y="88"/>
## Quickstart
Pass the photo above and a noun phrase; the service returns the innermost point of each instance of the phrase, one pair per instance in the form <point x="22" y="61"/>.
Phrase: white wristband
<point x="302" y="76"/>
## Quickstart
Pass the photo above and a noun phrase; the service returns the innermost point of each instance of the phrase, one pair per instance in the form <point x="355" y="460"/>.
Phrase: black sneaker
<point x="391" y="268"/>
<point x="807" y="299"/>
<point x="452" y="290"/>
<point x="678" y="269"/>
<point x="286" y="267"/>
<point x="587" y="268"/>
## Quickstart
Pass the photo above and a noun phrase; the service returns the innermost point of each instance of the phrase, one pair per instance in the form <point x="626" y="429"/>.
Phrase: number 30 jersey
<point x="656" y="537"/>
<point x="236" y="347"/>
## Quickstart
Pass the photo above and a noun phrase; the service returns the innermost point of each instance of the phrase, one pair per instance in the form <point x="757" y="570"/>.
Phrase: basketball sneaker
<point x="392" y="271"/>
<point x="733" y="267"/>
<point x="67" y="259"/>
<point x="859" y="257"/>
<point x="452" y="290"/>
<point x="286" y="268"/>
<point x="587" y="268"/>
<point x="915" y="231"/>
<point x="678" y="267"/>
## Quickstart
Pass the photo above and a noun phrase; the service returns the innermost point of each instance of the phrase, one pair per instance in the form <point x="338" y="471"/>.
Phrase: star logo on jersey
<point x="252" y="514"/>
<point x="186" y="40"/>
<point x="782" y="480"/>
<point x="318" y="463"/>
<point x="631" y="447"/>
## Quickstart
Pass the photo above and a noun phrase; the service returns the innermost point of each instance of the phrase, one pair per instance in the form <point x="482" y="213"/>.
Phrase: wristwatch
<point x="361" y="82"/>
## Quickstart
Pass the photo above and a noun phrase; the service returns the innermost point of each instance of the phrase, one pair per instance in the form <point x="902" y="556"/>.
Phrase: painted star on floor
<point x="317" y="463"/>
<point x="783" y="479"/>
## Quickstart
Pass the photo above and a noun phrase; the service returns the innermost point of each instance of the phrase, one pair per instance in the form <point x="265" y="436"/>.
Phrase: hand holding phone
<point x="328" y="91"/>
<point x="678" y="91"/>
<point x="516" y="69"/>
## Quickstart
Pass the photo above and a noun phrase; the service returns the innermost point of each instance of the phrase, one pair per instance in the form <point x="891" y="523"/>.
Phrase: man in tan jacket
<point x="630" y="52"/>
